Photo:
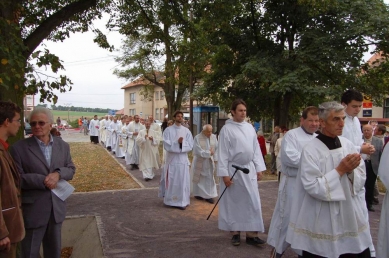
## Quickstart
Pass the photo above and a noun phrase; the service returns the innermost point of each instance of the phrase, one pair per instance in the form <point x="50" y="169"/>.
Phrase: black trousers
<point x="364" y="254"/>
<point x="371" y="178"/>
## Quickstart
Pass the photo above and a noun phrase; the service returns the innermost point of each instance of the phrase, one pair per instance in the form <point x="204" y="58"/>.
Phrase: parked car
<point x="27" y="128"/>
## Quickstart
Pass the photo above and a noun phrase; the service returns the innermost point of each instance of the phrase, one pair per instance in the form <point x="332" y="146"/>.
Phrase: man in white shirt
<point x="94" y="130"/>
<point x="203" y="165"/>
<point x="291" y="147"/>
<point x="240" y="208"/>
<point x="327" y="219"/>
<point x="177" y="141"/>
<point x="147" y="141"/>
<point x="352" y="101"/>
<point x="132" y="153"/>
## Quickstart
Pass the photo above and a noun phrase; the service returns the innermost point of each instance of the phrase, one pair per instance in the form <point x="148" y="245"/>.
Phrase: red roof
<point x="142" y="81"/>
<point x="120" y="112"/>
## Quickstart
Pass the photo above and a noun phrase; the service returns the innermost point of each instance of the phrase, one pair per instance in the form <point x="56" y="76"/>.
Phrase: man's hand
<point x="259" y="176"/>
<point x="367" y="148"/>
<point x="51" y="180"/>
<point x="180" y="140"/>
<point x="212" y="151"/>
<point x="227" y="181"/>
<point x="151" y="138"/>
<point x="135" y="133"/>
<point x="5" y="244"/>
<point x="348" y="163"/>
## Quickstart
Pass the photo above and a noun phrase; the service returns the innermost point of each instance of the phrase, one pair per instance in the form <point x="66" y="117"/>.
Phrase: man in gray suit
<point x="372" y="162"/>
<point x="42" y="161"/>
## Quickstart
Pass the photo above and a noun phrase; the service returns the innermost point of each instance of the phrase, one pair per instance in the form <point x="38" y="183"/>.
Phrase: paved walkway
<point x="136" y="223"/>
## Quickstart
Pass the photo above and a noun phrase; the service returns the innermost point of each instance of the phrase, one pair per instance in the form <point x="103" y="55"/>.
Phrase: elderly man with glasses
<point x="43" y="162"/>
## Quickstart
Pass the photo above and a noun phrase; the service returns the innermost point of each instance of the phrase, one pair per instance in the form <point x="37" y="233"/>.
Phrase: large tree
<point x="160" y="46"/>
<point x="283" y="55"/>
<point x="24" y="25"/>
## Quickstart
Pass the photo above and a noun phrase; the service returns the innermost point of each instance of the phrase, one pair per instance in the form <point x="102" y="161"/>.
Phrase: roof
<point x="142" y="81"/>
<point x="120" y="112"/>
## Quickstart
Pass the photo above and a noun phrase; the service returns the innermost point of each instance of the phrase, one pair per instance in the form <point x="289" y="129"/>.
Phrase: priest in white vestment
<point x="132" y="152"/>
<point x="177" y="141"/>
<point x="327" y="219"/>
<point x="203" y="165"/>
<point x="291" y="147"/>
<point x="148" y="142"/>
<point x="352" y="101"/>
<point x="103" y="135"/>
<point x="240" y="206"/>
<point x="108" y="143"/>
<point x="383" y="230"/>
<point x="157" y="129"/>
<point x="113" y="129"/>
<point x="94" y="130"/>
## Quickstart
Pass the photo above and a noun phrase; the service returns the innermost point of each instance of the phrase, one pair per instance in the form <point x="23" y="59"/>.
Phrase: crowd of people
<point x="327" y="168"/>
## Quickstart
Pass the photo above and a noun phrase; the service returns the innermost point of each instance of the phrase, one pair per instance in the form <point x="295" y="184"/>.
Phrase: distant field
<point x="73" y="115"/>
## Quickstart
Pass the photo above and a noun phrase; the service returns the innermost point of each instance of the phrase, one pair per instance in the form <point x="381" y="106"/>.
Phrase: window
<point x="132" y="98"/>
<point x="132" y="112"/>
<point x="162" y="94"/>
<point x="386" y="108"/>
<point x="156" y="113"/>
<point x="157" y="95"/>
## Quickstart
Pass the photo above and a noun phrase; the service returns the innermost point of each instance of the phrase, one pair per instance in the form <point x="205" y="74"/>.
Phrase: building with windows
<point x="143" y="98"/>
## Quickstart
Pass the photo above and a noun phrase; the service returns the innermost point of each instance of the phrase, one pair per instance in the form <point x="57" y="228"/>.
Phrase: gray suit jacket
<point x="376" y="156"/>
<point x="37" y="200"/>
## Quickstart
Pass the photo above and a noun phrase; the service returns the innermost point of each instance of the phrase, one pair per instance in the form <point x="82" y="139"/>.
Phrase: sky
<point x="90" y="68"/>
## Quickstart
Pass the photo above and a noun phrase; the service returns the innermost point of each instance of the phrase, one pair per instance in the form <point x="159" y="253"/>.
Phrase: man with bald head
<point x="203" y="165"/>
<point x="372" y="162"/>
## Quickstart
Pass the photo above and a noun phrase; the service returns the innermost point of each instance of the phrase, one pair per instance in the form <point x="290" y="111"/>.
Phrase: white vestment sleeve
<point x="140" y="140"/>
<point x="215" y="156"/>
<point x="290" y="156"/>
<point x="383" y="169"/>
<point x="358" y="178"/>
<point x="187" y="142"/>
<point x="321" y="185"/>
<point x="258" y="158"/>
<point x="222" y="154"/>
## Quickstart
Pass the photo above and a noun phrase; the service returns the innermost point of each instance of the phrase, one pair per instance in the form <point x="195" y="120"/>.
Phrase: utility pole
<point x="68" y="105"/>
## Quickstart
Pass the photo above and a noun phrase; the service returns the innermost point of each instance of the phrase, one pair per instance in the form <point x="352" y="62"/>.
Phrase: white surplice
<point x="240" y="206"/>
<point x="176" y="185"/>
<point x="114" y="129"/>
<point x="147" y="152"/>
<point x="327" y="218"/>
<point x="108" y="142"/>
<point x="383" y="231"/>
<point x="291" y="146"/>
<point x="102" y="132"/>
<point x="203" y="166"/>
<point x="132" y="152"/>
<point x="119" y="151"/>
<point x="93" y="127"/>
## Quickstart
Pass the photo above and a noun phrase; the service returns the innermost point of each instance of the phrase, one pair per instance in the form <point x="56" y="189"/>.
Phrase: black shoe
<point x="113" y="152"/>
<point x="235" y="240"/>
<point x="255" y="241"/>
<point x="199" y="198"/>
<point x="123" y="157"/>
<point x="370" y="208"/>
<point x="132" y="167"/>
<point x="147" y="179"/>
<point x="136" y="166"/>
<point x="181" y="208"/>
<point x="210" y="200"/>
<point x="376" y="201"/>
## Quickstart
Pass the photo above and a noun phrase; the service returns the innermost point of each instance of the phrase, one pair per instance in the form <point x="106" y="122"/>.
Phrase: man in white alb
<point x="352" y="101"/>
<point x="291" y="147"/>
<point x="132" y="153"/>
<point x="94" y="130"/>
<point x="383" y="231"/>
<point x="177" y="141"/>
<point x="147" y="141"/>
<point x="108" y="143"/>
<point x="240" y="206"/>
<point x="102" y="135"/>
<point x="327" y="219"/>
<point x="203" y="165"/>
<point x="157" y="129"/>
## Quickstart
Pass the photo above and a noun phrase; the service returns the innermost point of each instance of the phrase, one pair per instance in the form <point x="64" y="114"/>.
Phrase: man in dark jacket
<point x="11" y="220"/>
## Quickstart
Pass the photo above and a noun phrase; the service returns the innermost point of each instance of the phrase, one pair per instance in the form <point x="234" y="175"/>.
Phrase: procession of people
<point x="327" y="168"/>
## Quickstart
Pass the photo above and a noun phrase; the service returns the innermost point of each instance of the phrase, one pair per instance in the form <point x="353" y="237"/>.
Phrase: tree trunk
<point x="284" y="110"/>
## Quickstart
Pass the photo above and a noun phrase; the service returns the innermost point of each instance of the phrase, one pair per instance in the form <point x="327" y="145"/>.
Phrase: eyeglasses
<point x="40" y="123"/>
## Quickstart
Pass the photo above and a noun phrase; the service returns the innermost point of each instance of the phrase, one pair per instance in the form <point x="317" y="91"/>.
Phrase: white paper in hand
<point x="63" y="189"/>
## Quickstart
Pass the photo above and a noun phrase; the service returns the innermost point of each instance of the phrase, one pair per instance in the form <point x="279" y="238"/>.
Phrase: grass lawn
<point x="73" y="115"/>
<point x="96" y="170"/>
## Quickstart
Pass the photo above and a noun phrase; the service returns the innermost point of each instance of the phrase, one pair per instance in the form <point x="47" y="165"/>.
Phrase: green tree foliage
<point x="23" y="26"/>
<point x="281" y="56"/>
<point x="162" y="46"/>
